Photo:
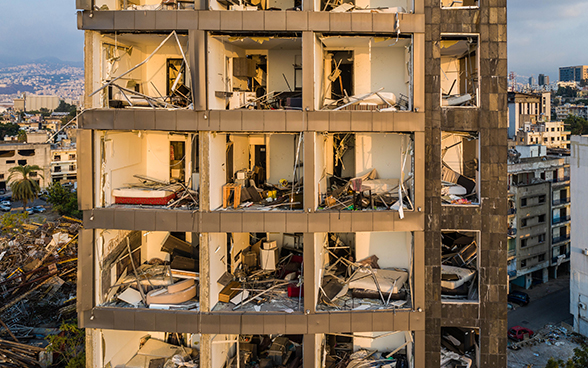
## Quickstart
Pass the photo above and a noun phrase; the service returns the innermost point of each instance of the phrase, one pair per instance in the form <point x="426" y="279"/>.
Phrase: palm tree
<point x="23" y="187"/>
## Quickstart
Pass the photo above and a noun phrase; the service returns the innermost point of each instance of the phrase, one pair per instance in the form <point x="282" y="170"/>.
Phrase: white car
<point x="6" y="203"/>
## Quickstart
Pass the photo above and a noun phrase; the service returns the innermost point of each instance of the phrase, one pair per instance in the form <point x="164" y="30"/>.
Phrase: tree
<point x="65" y="107"/>
<point x="8" y="130"/>
<point x="22" y="136"/>
<point x="63" y="200"/>
<point x="576" y="125"/>
<point x="22" y="186"/>
<point x="579" y="360"/>
<point x="69" y="343"/>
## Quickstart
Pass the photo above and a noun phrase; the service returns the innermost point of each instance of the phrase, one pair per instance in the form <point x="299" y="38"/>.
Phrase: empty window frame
<point x="255" y="72"/>
<point x="353" y="262"/>
<point x="460" y="173"/>
<point x="167" y="265"/>
<point x="255" y="5"/>
<point x="256" y="171"/>
<point x="459" y="266"/>
<point x="365" y="171"/>
<point x="274" y="350"/>
<point x="256" y="272"/>
<point x="459" y="70"/>
<point x="374" y="6"/>
<point x="460" y="347"/>
<point x="368" y="349"/>
<point x="144" y="70"/>
<point x="146" y="168"/>
<point x="364" y="72"/>
<point x="143" y="4"/>
<point x="457" y="4"/>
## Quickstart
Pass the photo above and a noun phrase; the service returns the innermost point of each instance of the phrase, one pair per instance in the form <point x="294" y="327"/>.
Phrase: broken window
<point x="256" y="272"/>
<point x="459" y="70"/>
<point x="460" y="168"/>
<point x="255" y="72"/>
<point x="22" y="162"/>
<point x="250" y="5"/>
<point x="247" y="351"/>
<point x="456" y="4"/>
<point x="372" y="6"/>
<point x="368" y="349"/>
<point x="364" y="73"/>
<point x="148" y="269"/>
<point x="459" y="266"/>
<point x="26" y="152"/>
<point x="365" y="270"/>
<point x="256" y="172"/>
<point x="365" y="171"/>
<point x="143" y="4"/>
<point x="460" y="347"/>
<point x="122" y="348"/>
<point x="133" y="169"/>
<point x="145" y="70"/>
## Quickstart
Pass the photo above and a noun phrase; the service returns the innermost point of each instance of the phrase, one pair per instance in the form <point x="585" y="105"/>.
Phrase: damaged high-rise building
<point x="300" y="184"/>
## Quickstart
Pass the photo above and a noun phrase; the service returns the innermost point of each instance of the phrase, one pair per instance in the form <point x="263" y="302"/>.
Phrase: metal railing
<point x="561" y="201"/>
<point x="560" y="219"/>
<point x="560" y="238"/>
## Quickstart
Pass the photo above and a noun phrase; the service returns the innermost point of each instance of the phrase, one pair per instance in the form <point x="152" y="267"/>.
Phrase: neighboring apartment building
<point x="14" y="154"/>
<point x="551" y="134"/>
<point x="64" y="164"/>
<point x="573" y="73"/>
<point x="539" y="215"/>
<point x="527" y="108"/>
<point x="579" y="234"/>
<point x="359" y="143"/>
<point x="563" y="111"/>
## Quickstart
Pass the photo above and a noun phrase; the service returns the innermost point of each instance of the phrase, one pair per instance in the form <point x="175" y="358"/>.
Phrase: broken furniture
<point x="459" y="167"/>
<point x="459" y="70"/>
<point x="459" y="347"/>
<point x="154" y="353"/>
<point x="153" y="192"/>
<point x="229" y="189"/>
<point x="459" y="266"/>
<point x="267" y="351"/>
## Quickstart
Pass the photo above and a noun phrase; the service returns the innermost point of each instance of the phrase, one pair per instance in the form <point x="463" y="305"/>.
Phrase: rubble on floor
<point x="154" y="353"/>
<point x="151" y="191"/>
<point x="459" y="347"/>
<point x="38" y="275"/>
<point x="248" y="192"/>
<point x="339" y="353"/>
<point x="367" y="192"/>
<point x="156" y="284"/>
<point x="459" y="267"/>
<point x="268" y="351"/>
<point x="360" y="285"/>
<point x="268" y="279"/>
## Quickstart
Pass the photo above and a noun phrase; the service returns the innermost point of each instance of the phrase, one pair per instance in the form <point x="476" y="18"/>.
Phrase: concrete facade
<point x="14" y="154"/>
<point x="410" y="239"/>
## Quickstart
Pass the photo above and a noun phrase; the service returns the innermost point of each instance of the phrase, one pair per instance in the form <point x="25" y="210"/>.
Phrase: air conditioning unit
<point x="582" y="305"/>
<point x="585" y="251"/>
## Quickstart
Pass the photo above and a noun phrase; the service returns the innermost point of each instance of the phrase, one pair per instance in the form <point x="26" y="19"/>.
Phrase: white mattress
<point x="364" y="280"/>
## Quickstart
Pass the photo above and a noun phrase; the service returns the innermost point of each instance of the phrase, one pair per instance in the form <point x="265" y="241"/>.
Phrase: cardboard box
<point x="269" y="256"/>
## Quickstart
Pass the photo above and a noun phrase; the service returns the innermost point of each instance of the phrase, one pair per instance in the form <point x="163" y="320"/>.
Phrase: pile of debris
<point x="339" y="352"/>
<point x="265" y="351"/>
<point x="38" y="264"/>
<point x="360" y="285"/>
<point x="459" y="266"/>
<point x="156" y="284"/>
<point x="159" y="354"/>
<point x="249" y="191"/>
<point x="368" y="192"/>
<point x="268" y="278"/>
<point x="151" y="191"/>
<point x="459" y="347"/>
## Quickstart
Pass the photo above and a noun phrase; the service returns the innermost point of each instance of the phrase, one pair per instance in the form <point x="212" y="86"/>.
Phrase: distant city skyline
<point x="544" y="35"/>
<point x="40" y="29"/>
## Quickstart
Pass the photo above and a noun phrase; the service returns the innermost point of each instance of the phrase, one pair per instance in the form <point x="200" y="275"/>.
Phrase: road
<point x="552" y="308"/>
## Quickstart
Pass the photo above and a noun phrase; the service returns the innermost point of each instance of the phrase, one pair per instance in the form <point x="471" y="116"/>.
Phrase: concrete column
<point x="206" y="351"/>
<point x="310" y="181"/>
<point x="203" y="150"/>
<point x="204" y="273"/>
<point x="308" y="77"/>
<point x="197" y="60"/>
<point x="309" y="273"/>
<point x="545" y="275"/>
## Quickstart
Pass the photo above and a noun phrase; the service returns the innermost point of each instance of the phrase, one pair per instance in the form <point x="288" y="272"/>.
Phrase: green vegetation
<point x="566" y="92"/>
<point x="576" y="125"/>
<point x="9" y="130"/>
<point x="579" y="360"/>
<point x="12" y="222"/>
<point x="70" y="345"/>
<point x="63" y="200"/>
<point x="65" y="107"/>
<point x="23" y="187"/>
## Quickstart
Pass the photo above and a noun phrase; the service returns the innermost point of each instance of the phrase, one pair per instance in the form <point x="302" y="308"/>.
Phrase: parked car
<point x="6" y="203"/>
<point x="4" y="208"/>
<point x="517" y="333"/>
<point x="518" y="297"/>
<point x="29" y="211"/>
<point x="39" y="209"/>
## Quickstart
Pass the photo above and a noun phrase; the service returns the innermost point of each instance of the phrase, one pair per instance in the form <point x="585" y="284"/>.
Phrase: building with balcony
<point x="14" y="154"/>
<point x="64" y="163"/>
<point x="539" y="215"/>
<point x="292" y="182"/>
<point x="551" y="134"/>
<point x="527" y="108"/>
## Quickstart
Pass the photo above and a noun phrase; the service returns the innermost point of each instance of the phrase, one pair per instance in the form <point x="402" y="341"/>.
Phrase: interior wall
<point x="385" y="343"/>
<point x="157" y="155"/>
<point x="454" y="155"/>
<point x="219" y="75"/>
<point x="321" y="259"/>
<point x="122" y="162"/>
<point x="217" y="155"/>
<point x="240" y="242"/>
<point x="383" y="67"/>
<point x="379" y="151"/>
<point x="318" y="69"/>
<point x="240" y="152"/>
<point x="221" y="352"/>
<point x="218" y="263"/>
<point x="280" y="63"/>
<point x="151" y="248"/>
<point x="324" y="162"/>
<point x="406" y="4"/>
<point x="155" y="69"/>
<point x="281" y="157"/>
<point x="449" y="73"/>
<point x="392" y="248"/>
<point x="122" y="345"/>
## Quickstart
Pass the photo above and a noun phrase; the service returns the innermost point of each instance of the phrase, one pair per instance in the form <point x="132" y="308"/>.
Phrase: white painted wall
<point x="382" y="152"/>
<point x="151" y="247"/>
<point x="221" y="351"/>
<point x="281" y="157"/>
<point x="406" y="4"/>
<point x="218" y="263"/>
<point x="383" y="67"/>
<point x="240" y="152"/>
<point x="120" y="346"/>
<point x="240" y="242"/>
<point x="324" y="161"/>
<point x="449" y="73"/>
<point x="218" y="176"/>
<point x="321" y="259"/>
<point x="454" y="155"/>
<point x="281" y="62"/>
<point x="157" y="155"/>
<point x="579" y="234"/>
<point x="319" y="86"/>
<point x="393" y="249"/>
<point x="219" y="73"/>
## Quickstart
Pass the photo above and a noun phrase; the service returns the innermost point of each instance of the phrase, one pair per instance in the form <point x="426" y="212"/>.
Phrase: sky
<point x="36" y="29"/>
<point x="542" y="34"/>
<point x="546" y="34"/>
